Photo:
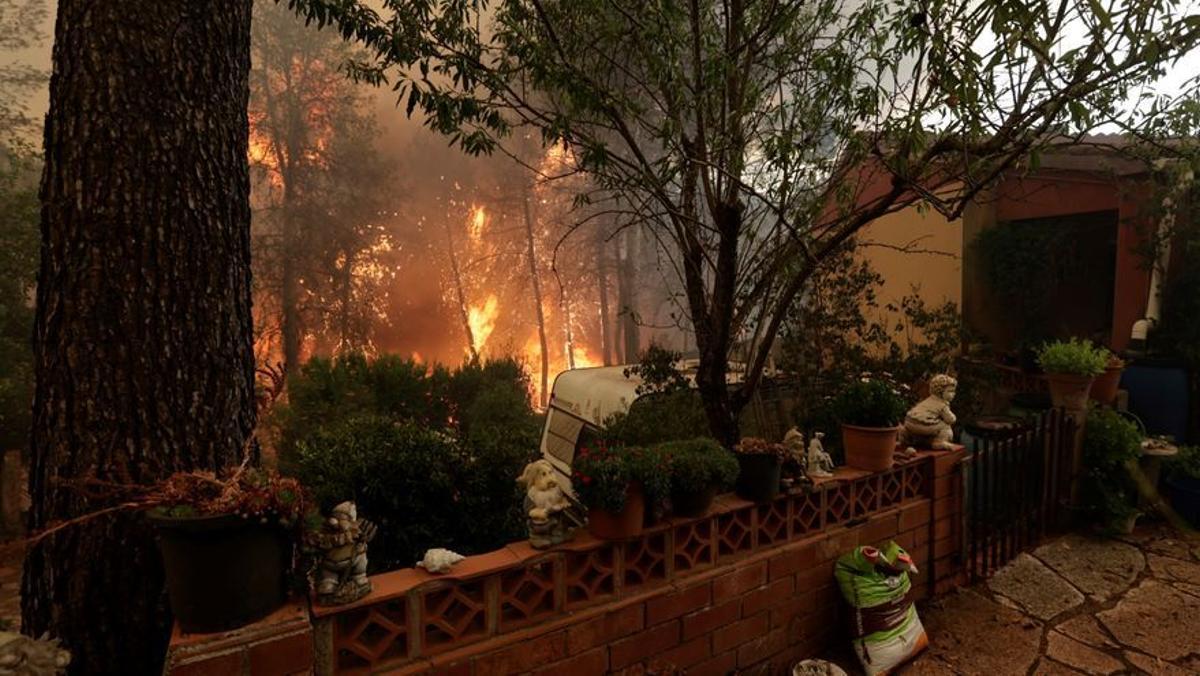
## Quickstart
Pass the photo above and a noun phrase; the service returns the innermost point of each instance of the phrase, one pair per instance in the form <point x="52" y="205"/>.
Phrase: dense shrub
<point x="697" y="464"/>
<point x="419" y="485"/>
<point x="1074" y="356"/>
<point x="870" y="403"/>
<point x="431" y="455"/>
<point x="657" y="418"/>
<point x="1111" y="444"/>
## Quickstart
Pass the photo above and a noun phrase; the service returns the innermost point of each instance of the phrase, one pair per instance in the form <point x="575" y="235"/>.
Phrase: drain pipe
<point x="1143" y="327"/>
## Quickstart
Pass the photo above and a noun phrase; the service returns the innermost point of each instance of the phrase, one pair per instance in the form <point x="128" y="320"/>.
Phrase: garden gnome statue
<point x="796" y="463"/>
<point x="546" y="505"/>
<point x="342" y="545"/>
<point x="929" y="423"/>
<point x="820" y="465"/>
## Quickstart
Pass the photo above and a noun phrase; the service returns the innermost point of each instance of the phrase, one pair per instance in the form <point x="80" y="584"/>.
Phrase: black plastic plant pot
<point x="758" y="476"/>
<point x="1185" y="498"/>
<point x="223" y="572"/>
<point x="692" y="503"/>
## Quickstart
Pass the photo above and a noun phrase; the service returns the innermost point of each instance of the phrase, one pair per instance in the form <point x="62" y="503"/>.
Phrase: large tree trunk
<point x="536" y="279"/>
<point x="460" y="294"/>
<point x="143" y="341"/>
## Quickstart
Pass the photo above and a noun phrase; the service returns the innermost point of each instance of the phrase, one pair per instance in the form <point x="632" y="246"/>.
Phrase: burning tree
<point x="753" y="138"/>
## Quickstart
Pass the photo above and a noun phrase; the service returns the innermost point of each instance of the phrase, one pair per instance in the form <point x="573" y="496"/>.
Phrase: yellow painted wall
<point x="938" y="276"/>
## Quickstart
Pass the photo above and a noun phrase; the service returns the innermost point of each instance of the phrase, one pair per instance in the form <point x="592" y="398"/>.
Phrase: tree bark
<point x="537" y="300"/>
<point x="606" y="339"/>
<point x="627" y="297"/>
<point x="143" y="346"/>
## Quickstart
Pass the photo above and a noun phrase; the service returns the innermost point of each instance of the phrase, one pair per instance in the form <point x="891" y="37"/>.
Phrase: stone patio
<point x="1077" y="605"/>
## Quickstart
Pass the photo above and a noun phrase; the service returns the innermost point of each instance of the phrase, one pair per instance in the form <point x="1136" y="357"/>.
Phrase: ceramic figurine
<point x="342" y="545"/>
<point x="794" y="440"/>
<point x="546" y="505"/>
<point x="439" y="560"/>
<point x="820" y="465"/>
<point x="929" y="424"/>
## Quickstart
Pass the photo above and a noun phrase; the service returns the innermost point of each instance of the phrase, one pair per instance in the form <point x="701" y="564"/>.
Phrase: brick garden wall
<point x="747" y="587"/>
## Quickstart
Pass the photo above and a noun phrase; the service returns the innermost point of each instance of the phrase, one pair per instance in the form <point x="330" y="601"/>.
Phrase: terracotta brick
<point x="945" y="487"/>
<point x="945" y="547"/>
<point x="762" y="649"/>
<point x="225" y="664"/>
<point x="721" y="665"/>
<point x="814" y="577"/>
<point x="921" y="535"/>
<point x="704" y="621"/>
<point x="461" y="667"/>
<point x="687" y="654"/>
<point x="771" y="595"/>
<point x="947" y="508"/>
<point x="791" y="562"/>
<point x="879" y="530"/>
<point x="524" y="655"/>
<point x="584" y="664"/>
<point x="733" y="635"/>
<point x="833" y="547"/>
<point x="604" y="629"/>
<point x="914" y="516"/>
<point x="948" y="463"/>
<point x="285" y="655"/>
<point x="738" y="582"/>
<point x="648" y="643"/>
<point x="798" y="606"/>
<point x="943" y="528"/>
<point x="670" y="606"/>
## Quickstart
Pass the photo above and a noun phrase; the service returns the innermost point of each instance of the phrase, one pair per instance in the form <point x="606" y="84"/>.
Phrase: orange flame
<point x="482" y="319"/>
<point x="478" y="221"/>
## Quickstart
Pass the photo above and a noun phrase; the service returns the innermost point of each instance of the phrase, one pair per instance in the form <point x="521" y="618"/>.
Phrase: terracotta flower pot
<point x="1104" y="388"/>
<point x="621" y="525"/>
<point x="1069" y="391"/>
<point x="870" y="448"/>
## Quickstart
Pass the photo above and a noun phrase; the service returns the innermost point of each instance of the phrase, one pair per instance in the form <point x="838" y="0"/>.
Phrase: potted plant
<point x="227" y="544"/>
<point x="760" y="465"/>
<point x="699" y="469"/>
<point x="1071" y="366"/>
<point x="870" y="412"/>
<point x="1105" y="387"/>
<point x="1111" y="447"/>
<point x="1182" y="479"/>
<point x="614" y="484"/>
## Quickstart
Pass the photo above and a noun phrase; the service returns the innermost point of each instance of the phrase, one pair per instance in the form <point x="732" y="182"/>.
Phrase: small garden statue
<point x="439" y="560"/>
<point x="795" y="465"/>
<point x="929" y="423"/>
<point x="820" y="465"/>
<point x="546" y="505"/>
<point x="342" y="545"/>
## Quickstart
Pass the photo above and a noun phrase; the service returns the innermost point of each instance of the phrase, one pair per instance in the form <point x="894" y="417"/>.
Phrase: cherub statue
<point x="342" y="545"/>
<point x="546" y="504"/>
<point x="929" y="423"/>
<point x="820" y="465"/>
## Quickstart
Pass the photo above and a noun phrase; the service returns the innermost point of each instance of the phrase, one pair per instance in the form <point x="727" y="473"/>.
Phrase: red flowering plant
<point x="757" y="446"/>
<point x="601" y="475"/>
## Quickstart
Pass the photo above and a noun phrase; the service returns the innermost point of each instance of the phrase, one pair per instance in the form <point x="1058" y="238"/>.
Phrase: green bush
<point x="1183" y="465"/>
<point x="420" y="487"/>
<point x="1075" y="356"/>
<point x="697" y="464"/>
<point x="869" y="403"/>
<point x="1111" y="444"/>
<point x="657" y="418"/>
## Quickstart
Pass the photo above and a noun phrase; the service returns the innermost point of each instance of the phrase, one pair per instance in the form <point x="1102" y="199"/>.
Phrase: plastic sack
<point x="886" y="629"/>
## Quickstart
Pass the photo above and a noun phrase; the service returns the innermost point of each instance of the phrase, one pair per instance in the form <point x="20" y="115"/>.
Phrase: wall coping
<point x="397" y="583"/>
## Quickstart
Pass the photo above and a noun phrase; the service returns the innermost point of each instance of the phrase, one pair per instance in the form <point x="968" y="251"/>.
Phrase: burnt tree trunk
<point x="536" y="280"/>
<point x="606" y="339"/>
<point x="143" y="340"/>
<point x="460" y="294"/>
<point x="627" y="297"/>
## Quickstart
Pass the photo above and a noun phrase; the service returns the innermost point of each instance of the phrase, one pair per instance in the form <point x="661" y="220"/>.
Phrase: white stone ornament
<point x="439" y="560"/>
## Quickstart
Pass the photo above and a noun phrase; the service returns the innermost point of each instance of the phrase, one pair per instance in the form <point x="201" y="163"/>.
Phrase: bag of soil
<point x="885" y="626"/>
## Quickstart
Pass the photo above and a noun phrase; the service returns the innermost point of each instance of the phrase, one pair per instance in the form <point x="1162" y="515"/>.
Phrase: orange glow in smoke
<point x="482" y="319"/>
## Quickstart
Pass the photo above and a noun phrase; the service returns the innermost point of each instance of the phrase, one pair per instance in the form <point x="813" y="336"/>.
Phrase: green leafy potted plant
<point x="870" y="412"/>
<point x="1071" y="366"/>
<point x="1182" y="479"/>
<point x="227" y="544"/>
<point x="1111" y="446"/>
<point x="615" y="485"/>
<point x="1105" y="387"/>
<point x="699" y="469"/>
<point x="760" y="467"/>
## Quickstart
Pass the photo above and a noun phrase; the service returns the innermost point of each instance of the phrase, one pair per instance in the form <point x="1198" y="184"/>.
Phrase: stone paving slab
<point x="1086" y="629"/>
<point x="1156" y="619"/>
<point x="1067" y="650"/>
<point x="970" y="634"/>
<point x="1034" y="588"/>
<point x="1100" y="568"/>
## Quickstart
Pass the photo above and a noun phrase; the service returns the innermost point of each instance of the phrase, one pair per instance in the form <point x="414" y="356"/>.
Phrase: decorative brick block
<point x="590" y="576"/>
<point x="864" y="497"/>
<point x="371" y="634"/>
<point x="694" y="546"/>
<point x="527" y="594"/>
<point x="645" y="560"/>
<point x="735" y="532"/>
<point x="838" y="504"/>
<point x="808" y="513"/>
<point x="771" y="522"/>
<point x="453" y="614"/>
